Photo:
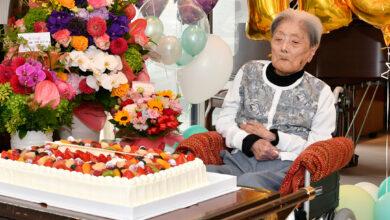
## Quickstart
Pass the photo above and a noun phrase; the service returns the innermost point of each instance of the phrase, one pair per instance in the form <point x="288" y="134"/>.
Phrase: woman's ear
<point x="312" y="52"/>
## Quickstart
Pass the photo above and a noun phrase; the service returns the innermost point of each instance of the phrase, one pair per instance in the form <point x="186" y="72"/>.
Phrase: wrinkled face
<point x="290" y="46"/>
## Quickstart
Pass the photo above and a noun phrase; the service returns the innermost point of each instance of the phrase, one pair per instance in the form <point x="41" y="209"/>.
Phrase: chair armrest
<point x="205" y="146"/>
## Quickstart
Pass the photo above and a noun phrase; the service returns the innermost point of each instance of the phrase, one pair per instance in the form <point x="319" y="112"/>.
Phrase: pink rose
<point x="66" y="90"/>
<point x="62" y="37"/>
<point x="20" y="25"/>
<point x="40" y="26"/>
<point x="102" y="42"/>
<point x="97" y="3"/>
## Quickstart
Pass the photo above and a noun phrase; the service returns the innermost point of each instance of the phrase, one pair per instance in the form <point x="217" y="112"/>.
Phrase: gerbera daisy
<point x="167" y="93"/>
<point x="122" y="117"/>
<point x="155" y="104"/>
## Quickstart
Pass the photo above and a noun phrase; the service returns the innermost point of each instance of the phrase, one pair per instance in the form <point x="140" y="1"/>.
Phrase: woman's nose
<point x="284" y="46"/>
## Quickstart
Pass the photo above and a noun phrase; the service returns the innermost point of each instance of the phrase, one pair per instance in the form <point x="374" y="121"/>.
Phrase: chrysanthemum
<point x="155" y="104"/>
<point x="167" y="93"/>
<point x="122" y="117"/>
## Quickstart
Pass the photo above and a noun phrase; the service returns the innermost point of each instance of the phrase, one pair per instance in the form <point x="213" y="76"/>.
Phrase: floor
<point x="372" y="162"/>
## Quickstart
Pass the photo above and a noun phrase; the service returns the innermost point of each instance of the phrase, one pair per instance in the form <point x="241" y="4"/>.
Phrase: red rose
<point x="40" y="26"/>
<point x="126" y="102"/>
<point x="84" y="88"/>
<point x="118" y="46"/>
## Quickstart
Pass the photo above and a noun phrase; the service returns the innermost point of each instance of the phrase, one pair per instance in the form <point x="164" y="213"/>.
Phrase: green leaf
<point x="22" y="133"/>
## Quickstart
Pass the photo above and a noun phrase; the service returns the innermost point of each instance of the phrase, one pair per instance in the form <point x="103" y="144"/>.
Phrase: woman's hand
<point x="264" y="150"/>
<point x="254" y="127"/>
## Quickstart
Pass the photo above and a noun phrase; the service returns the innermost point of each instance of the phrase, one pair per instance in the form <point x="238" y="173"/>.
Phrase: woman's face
<point x="290" y="48"/>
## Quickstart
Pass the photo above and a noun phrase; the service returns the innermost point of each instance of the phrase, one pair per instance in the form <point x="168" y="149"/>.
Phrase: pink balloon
<point x="189" y="12"/>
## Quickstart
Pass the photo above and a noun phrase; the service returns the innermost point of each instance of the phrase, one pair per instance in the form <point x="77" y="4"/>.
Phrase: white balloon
<point x="208" y="72"/>
<point x="371" y="188"/>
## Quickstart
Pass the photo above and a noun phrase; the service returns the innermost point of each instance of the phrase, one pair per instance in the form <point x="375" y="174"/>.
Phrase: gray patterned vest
<point x="295" y="109"/>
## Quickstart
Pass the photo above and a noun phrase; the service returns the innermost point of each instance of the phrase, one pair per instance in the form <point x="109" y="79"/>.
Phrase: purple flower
<point x="100" y="12"/>
<point x="83" y="13"/>
<point x="119" y="26"/>
<point x="77" y="26"/>
<point x="58" y="20"/>
<point x="29" y="74"/>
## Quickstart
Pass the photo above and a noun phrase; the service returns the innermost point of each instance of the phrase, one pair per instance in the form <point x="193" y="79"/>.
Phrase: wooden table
<point x="215" y="208"/>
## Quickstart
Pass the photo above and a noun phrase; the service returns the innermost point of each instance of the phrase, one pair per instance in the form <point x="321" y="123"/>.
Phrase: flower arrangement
<point x="32" y="97"/>
<point x="99" y="48"/>
<point x="146" y="113"/>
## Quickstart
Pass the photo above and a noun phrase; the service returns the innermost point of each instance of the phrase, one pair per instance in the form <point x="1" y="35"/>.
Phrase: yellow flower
<point x="167" y="93"/>
<point x="79" y="43"/>
<point x="120" y="91"/>
<point x="63" y="76"/>
<point x="67" y="3"/>
<point x="122" y="117"/>
<point x="155" y="104"/>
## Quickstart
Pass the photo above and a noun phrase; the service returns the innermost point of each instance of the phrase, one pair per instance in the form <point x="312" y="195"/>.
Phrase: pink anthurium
<point x="137" y="32"/>
<point x="46" y="93"/>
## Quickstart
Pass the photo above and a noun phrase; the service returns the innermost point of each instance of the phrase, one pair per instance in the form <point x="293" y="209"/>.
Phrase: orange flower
<point x="63" y="76"/>
<point x="120" y="91"/>
<point x="386" y="34"/>
<point x="67" y="3"/>
<point x="79" y="43"/>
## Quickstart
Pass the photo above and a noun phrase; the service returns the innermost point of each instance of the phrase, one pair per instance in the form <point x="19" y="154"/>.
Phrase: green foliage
<point x="17" y="115"/>
<point x="33" y="15"/>
<point x="134" y="58"/>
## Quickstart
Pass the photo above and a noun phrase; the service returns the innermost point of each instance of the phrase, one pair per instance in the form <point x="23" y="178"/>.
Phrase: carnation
<point x="40" y="26"/>
<point x="102" y="42"/>
<point x="118" y="46"/>
<point x="84" y="88"/>
<point x="62" y="37"/>
<point x="16" y="62"/>
<point x="80" y="43"/>
<point x="17" y="88"/>
<point x="97" y="3"/>
<point x="96" y="26"/>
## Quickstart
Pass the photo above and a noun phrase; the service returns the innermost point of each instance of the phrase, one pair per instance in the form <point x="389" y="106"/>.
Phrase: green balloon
<point x="194" y="129"/>
<point x="184" y="59"/>
<point x="193" y="39"/>
<point x="357" y="200"/>
<point x="382" y="208"/>
<point x="382" y="187"/>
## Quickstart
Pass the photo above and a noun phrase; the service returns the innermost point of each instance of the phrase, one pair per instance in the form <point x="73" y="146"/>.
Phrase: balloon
<point x="333" y="14"/>
<point x="152" y="7"/>
<point x="194" y="129"/>
<point x="372" y="189"/>
<point x="189" y="12"/>
<point x="376" y="13"/>
<point x="154" y="28"/>
<point x="184" y="59"/>
<point x="169" y="49"/>
<point x="207" y="5"/>
<point x="193" y="39"/>
<point x="208" y="72"/>
<point x="261" y="14"/>
<point x="357" y="200"/>
<point x="382" y="187"/>
<point x="381" y="209"/>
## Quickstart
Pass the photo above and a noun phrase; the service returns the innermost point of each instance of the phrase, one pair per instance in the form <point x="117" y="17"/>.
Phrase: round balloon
<point x="357" y="200"/>
<point x="208" y="72"/>
<point x="371" y="188"/>
<point x="193" y="39"/>
<point x="184" y="59"/>
<point x="333" y="14"/>
<point x="169" y="49"/>
<point x="382" y="187"/>
<point x="382" y="208"/>
<point x="261" y="14"/>
<point x="189" y="12"/>
<point x="207" y="5"/>
<point x="152" y="7"/>
<point x="154" y="28"/>
<point x="194" y="129"/>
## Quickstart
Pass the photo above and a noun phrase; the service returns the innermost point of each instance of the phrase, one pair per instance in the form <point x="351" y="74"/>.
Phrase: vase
<point x="32" y="138"/>
<point x="79" y="131"/>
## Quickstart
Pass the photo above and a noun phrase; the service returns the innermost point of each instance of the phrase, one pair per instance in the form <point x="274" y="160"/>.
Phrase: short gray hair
<point x="311" y="23"/>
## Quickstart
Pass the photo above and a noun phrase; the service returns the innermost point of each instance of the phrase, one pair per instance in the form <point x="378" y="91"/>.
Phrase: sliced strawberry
<point x="140" y="171"/>
<point x="128" y="174"/>
<point x="48" y="163"/>
<point x="181" y="159"/>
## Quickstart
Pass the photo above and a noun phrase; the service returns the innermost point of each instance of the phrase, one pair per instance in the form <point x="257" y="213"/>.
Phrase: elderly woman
<point x="274" y="110"/>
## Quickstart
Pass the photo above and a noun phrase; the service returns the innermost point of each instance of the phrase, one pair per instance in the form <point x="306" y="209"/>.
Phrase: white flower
<point x="99" y="62"/>
<point x="111" y="62"/>
<point x="131" y="109"/>
<point x="105" y="81"/>
<point x="92" y="82"/>
<point x="82" y="62"/>
<point x="118" y="79"/>
<point x="109" y="2"/>
<point x="119" y="61"/>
